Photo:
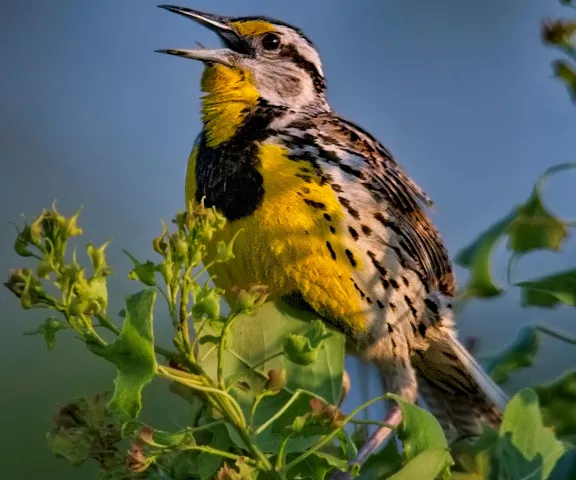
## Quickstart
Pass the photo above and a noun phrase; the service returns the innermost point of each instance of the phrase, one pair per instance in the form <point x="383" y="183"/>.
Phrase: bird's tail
<point x="455" y="388"/>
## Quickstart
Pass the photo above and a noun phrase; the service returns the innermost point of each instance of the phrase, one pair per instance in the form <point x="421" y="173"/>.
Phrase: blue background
<point x="461" y="92"/>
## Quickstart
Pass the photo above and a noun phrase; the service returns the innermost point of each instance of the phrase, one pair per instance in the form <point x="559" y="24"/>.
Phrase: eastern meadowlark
<point x="330" y="219"/>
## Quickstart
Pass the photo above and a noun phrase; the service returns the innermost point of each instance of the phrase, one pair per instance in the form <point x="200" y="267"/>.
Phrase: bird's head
<point x="275" y="59"/>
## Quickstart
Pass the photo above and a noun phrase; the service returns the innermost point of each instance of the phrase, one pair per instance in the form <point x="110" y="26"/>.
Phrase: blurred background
<point x="461" y="92"/>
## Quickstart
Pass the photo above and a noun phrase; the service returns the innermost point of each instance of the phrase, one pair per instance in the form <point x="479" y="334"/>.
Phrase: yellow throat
<point x="230" y="97"/>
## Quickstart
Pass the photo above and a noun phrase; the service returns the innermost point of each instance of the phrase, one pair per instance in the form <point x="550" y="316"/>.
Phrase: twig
<point x="280" y="459"/>
<point x="253" y="368"/>
<point x="556" y="334"/>
<point x="221" y="453"/>
<point x="221" y="348"/>
<point x="334" y="432"/>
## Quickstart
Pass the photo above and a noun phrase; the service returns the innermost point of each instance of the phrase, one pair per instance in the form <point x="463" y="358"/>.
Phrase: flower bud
<point x="17" y="280"/>
<point x="135" y="460"/>
<point x="197" y="255"/>
<point x="223" y="252"/>
<point x="180" y="244"/>
<point x="24" y="285"/>
<point x="207" y="234"/>
<point x="36" y="229"/>
<point x="208" y="304"/>
<point x="276" y="380"/>
<point x="159" y="243"/>
<point x="79" y="306"/>
<point x="558" y="32"/>
<point x="68" y="227"/>
<point x="180" y="220"/>
<point x="218" y="221"/>
<point x="252" y="298"/>
<point x="98" y="258"/>
<point x="22" y="242"/>
<point x="45" y="267"/>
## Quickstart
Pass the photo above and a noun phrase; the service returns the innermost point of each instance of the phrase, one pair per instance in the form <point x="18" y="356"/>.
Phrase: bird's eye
<point x="271" y="41"/>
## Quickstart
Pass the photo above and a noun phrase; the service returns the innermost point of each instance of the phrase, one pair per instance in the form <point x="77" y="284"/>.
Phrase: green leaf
<point x="473" y="459"/>
<point x="419" y="430"/>
<point x="382" y="463"/>
<point x="557" y="402"/>
<point x="565" y="73"/>
<point x="517" y="354"/>
<point x="96" y="290"/>
<point x="535" y="298"/>
<point x="181" y="465"/>
<point x="225" y="252"/>
<point x="428" y="465"/>
<point x="208" y="464"/>
<point x="241" y="472"/>
<point x="525" y="448"/>
<point x="207" y="304"/>
<point x="316" y="466"/>
<point x="213" y="339"/>
<point x="535" y="227"/>
<point x="49" y="329"/>
<point x="133" y="354"/>
<point x="559" y="286"/>
<point x="74" y="445"/>
<point x="255" y="337"/>
<point x="303" y="349"/>
<point x="476" y="258"/>
<point x="144" y="272"/>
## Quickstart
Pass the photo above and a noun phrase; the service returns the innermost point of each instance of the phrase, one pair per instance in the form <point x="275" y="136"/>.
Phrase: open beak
<point x="218" y="24"/>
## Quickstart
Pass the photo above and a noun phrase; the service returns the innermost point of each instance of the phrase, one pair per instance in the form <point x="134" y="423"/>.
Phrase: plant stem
<point x="227" y="405"/>
<point x="202" y="270"/>
<point x="556" y="334"/>
<point x="221" y="348"/>
<point x="184" y="315"/>
<point x="255" y="404"/>
<point x="221" y="453"/>
<point x="280" y="412"/>
<point x="171" y="303"/>
<point x="372" y="422"/>
<point x="511" y="263"/>
<point x="169" y="354"/>
<point x="281" y="457"/>
<point x="267" y="359"/>
<point x="252" y="368"/>
<point x="208" y="426"/>
<point x="334" y="432"/>
<point x="189" y="380"/>
<point x="107" y="323"/>
<point x="163" y="293"/>
<point x="198" y="332"/>
<point x="292" y="399"/>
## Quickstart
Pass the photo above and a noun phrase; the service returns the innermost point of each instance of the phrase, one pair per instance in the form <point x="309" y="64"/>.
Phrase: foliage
<point x="264" y="381"/>
<point x="526" y="446"/>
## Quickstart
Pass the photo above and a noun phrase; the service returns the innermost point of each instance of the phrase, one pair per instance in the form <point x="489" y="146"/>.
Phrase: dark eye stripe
<point x="289" y="51"/>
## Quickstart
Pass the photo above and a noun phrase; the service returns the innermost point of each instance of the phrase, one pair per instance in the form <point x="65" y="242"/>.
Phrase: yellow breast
<point x="293" y="241"/>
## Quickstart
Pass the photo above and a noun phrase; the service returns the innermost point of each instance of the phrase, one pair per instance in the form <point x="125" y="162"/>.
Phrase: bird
<point x="330" y="220"/>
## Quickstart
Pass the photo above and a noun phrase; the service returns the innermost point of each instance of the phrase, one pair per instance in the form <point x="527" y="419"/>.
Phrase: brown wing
<point x="389" y="183"/>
